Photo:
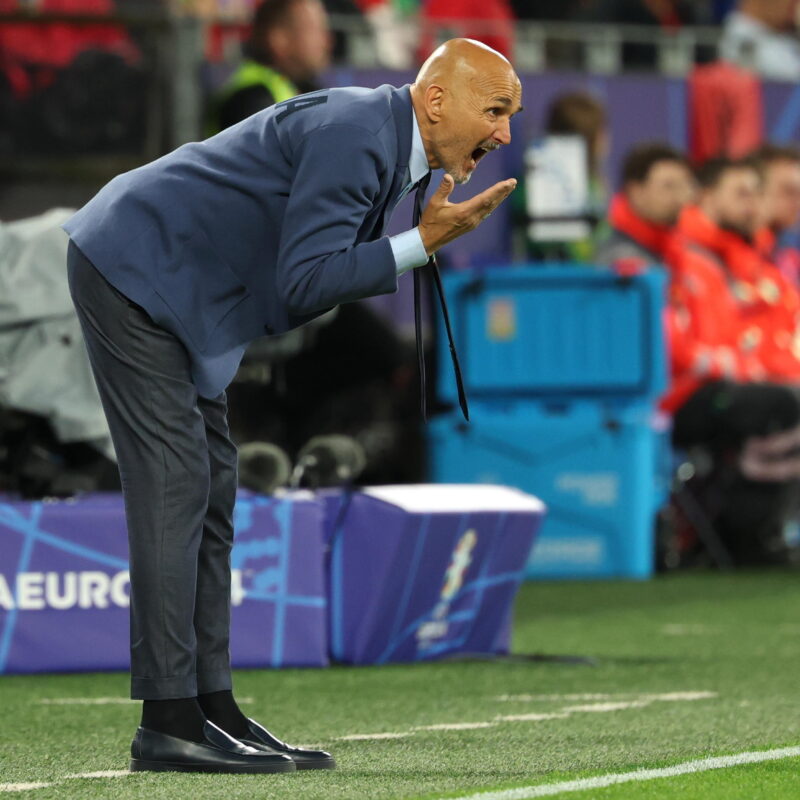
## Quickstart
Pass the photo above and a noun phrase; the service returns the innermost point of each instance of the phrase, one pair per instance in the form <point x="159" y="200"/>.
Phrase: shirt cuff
<point x="408" y="250"/>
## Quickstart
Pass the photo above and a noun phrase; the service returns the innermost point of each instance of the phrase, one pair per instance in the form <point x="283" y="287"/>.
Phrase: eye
<point x="494" y="111"/>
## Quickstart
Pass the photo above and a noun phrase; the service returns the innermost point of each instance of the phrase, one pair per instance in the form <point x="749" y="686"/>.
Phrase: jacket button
<point x="269" y="329"/>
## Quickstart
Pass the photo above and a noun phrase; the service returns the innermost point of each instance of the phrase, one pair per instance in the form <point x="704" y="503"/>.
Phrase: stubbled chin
<point x="461" y="176"/>
<point x="464" y="173"/>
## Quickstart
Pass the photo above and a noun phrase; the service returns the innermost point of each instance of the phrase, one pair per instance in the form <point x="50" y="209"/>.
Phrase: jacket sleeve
<point x="338" y="172"/>
<point x="693" y="351"/>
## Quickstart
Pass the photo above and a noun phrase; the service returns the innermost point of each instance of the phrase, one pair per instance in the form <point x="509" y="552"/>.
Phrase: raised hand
<point x="443" y="221"/>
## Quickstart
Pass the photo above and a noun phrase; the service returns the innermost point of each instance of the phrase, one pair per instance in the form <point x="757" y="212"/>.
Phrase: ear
<point x="434" y="99"/>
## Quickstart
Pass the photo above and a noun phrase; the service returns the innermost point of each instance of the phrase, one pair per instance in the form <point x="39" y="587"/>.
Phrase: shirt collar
<point x="418" y="162"/>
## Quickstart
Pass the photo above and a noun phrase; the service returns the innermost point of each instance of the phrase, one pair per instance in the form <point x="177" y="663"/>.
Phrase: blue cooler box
<point x="598" y="468"/>
<point x="555" y="333"/>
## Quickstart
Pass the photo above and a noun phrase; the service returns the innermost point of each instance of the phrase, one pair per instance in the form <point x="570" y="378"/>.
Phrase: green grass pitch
<point x="685" y="667"/>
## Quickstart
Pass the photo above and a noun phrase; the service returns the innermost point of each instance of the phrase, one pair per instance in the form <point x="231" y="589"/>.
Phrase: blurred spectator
<point x="488" y="21"/>
<point x="657" y="184"/>
<point x="760" y="35"/>
<point x="780" y="196"/>
<point x="748" y="431"/>
<point x="669" y="15"/>
<point x="31" y="52"/>
<point x="705" y="328"/>
<point x="393" y="23"/>
<point x="68" y="87"/>
<point x="734" y="391"/>
<point x="580" y="113"/>
<point x="723" y="227"/>
<point x="728" y="205"/>
<point x="726" y="115"/>
<point x="780" y="206"/>
<point x="288" y="48"/>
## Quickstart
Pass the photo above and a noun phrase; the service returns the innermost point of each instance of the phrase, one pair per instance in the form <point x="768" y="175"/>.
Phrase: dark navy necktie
<point x="419" y="198"/>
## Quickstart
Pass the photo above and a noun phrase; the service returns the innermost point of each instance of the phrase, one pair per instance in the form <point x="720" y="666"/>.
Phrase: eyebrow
<point x="506" y="101"/>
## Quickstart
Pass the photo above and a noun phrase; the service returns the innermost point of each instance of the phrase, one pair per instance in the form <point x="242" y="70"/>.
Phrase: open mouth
<point x="478" y="153"/>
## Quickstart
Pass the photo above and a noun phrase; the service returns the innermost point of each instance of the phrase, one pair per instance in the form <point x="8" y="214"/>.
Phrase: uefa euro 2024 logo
<point x="435" y="629"/>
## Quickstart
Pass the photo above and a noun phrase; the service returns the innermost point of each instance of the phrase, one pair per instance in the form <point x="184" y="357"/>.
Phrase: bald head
<point x="464" y="97"/>
<point x="461" y="59"/>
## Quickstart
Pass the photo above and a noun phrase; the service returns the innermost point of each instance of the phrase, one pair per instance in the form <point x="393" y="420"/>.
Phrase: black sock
<point x="182" y="718"/>
<point x="221" y="709"/>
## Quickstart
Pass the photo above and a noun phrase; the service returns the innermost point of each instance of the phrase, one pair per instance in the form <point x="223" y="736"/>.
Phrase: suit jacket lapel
<point x="401" y="111"/>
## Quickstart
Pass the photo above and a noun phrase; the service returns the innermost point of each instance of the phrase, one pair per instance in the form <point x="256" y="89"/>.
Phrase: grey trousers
<point x="177" y="464"/>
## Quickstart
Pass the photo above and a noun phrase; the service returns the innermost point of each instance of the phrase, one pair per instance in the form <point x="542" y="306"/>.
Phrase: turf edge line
<point x="23" y="787"/>
<point x="601" y="781"/>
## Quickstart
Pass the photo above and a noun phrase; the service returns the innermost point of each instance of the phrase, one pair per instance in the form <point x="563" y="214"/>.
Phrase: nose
<point x="503" y="132"/>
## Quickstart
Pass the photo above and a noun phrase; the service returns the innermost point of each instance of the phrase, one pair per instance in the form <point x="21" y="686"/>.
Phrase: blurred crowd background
<point x="671" y="123"/>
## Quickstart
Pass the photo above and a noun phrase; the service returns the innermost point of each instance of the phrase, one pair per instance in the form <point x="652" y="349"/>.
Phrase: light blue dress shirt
<point x="407" y="247"/>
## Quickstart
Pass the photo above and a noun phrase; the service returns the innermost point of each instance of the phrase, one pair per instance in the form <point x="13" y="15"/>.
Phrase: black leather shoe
<point x="159" y="752"/>
<point x="262" y="739"/>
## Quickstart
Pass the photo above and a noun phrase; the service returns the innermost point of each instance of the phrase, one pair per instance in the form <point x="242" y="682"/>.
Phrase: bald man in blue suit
<point x="176" y="266"/>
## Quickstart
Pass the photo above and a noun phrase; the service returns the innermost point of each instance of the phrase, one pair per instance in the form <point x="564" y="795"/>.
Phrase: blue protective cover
<point x="598" y="466"/>
<point x="555" y="331"/>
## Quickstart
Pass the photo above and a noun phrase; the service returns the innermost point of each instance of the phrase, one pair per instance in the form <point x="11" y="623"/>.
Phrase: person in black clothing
<point x="667" y="14"/>
<point x="288" y="48"/>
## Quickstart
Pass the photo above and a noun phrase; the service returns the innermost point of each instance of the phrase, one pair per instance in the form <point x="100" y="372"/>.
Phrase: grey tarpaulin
<point x="44" y="369"/>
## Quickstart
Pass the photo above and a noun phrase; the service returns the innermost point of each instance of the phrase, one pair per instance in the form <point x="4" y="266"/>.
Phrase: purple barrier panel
<point x="421" y="572"/>
<point x="278" y="558"/>
<point x="64" y="584"/>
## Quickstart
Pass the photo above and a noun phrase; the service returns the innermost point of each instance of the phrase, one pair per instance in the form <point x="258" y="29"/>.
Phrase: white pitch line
<point x="661" y="697"/>
<point x="530" y="717"/>
<point x="528" y="698"/>
<point x="604" y="708"/>
<point x="22" y="787"/>
<point x="673" y="697"/>
<point x="691" y="629"/>
<point x="25" y="787"/>
<point x="456" y="726"/>
<point x="104" y="773"/>
<point x="105" y="701"/>
<point x="601" y="781"/>
<point x="86" y="701"/>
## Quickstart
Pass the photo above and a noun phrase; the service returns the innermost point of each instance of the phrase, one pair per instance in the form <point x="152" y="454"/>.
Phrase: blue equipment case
<point x="596" y="467"/>
<point x="562" y="366"/>
<point x="540" y="332"/>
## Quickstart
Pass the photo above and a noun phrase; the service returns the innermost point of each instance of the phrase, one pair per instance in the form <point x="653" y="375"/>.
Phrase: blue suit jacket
<point x="260" y="228"/>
